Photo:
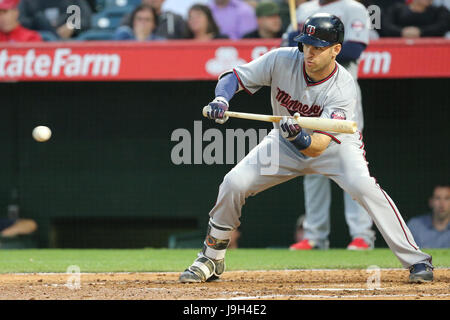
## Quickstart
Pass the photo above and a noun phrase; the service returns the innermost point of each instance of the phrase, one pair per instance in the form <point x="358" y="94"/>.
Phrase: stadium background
<point x="106" y="179"/>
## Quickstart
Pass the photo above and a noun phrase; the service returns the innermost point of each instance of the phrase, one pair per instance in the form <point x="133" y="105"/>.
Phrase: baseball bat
<point x="334" y="125"/>
<point x="293" y="14"/>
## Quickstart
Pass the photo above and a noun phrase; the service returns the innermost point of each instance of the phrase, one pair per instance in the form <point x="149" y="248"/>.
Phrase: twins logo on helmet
<point x="310" y="29"/>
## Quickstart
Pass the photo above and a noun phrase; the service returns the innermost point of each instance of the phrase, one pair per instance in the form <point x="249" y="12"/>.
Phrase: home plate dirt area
<point x="233" y="285"/>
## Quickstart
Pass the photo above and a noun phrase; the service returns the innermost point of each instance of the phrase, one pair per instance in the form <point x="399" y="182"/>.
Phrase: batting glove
<point x="217" y="109"/>
<point x="290" y="128"/>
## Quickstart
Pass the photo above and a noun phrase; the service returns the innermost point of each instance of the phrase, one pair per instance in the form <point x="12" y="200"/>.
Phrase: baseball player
<point x="317" y="188"/>
<point x="304" y="81"/>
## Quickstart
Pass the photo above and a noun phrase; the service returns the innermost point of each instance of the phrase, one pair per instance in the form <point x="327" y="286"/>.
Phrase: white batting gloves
<point x="289" y="128"/>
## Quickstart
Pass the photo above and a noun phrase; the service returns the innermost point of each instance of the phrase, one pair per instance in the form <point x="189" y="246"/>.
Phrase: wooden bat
<point x="341" y="126"/>
<point x="293" y="14"/>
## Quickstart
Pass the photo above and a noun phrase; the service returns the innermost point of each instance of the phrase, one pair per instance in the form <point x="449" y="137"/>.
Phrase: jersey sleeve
<point x="341" y="103"/>
<point x="357" y="25"/>
<point x="340" y="109"/>
<point x="257" y="73"/>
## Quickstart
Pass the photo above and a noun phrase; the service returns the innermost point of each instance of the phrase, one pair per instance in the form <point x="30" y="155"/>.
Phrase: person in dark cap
<point x="269" y="22"/>
<point x="10" y="27"/>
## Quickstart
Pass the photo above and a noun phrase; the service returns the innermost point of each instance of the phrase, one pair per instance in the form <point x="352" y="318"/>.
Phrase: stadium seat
<point x="110" y="19"/>
<point x="96" y="35"/>
<point x="48" y="36"/>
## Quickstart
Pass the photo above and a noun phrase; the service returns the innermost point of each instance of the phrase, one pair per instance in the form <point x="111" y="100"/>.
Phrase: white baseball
<point x="42" y="133"/>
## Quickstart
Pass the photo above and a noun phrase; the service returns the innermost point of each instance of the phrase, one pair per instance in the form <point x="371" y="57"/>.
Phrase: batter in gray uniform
<point x="306" y="81"/>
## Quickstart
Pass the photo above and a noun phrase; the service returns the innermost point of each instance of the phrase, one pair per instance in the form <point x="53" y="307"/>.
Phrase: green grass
<point x="152" y="260"/>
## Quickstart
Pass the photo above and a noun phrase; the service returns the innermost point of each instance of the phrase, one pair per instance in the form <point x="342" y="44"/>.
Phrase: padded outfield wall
<point x="110" y="154"/>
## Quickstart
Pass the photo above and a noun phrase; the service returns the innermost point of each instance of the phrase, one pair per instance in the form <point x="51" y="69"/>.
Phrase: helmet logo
<point x="310" y="30"/>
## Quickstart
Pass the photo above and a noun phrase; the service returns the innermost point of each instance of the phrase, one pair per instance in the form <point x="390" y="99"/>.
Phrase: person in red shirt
<point x="10" y="28"/>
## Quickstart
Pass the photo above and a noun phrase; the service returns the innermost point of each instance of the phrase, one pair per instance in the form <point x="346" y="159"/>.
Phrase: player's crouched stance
<point x="309" y="81"/>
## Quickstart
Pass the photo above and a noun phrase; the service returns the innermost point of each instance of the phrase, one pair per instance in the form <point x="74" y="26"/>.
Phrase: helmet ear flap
<point x="300" y="46"/>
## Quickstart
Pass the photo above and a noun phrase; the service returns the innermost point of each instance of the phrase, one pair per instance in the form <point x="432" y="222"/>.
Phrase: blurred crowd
<point x="202" y="20"/>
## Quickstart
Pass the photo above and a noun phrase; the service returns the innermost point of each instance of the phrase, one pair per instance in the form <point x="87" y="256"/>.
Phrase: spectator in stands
<point x="201" y="24"/>
<point x="170" y="25"/>
<point x="143" y="22"/>
<point x="234" y="17"/>
<point x="181" y="7"/>
<point x="269" y="21"/>
<point x="445" y="3"/>
<point x="10" y="28"/>
<point x="13" y="227"/>
<point x="253" y="3"/>
<point x="416" y="19"/>
<point x="433" y="230"/>
<point x="52" y="16"/>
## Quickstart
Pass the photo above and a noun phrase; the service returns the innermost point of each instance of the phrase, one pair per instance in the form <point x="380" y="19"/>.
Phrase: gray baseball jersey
<point x="343" y="161"/>
<point x="291" y="91"/>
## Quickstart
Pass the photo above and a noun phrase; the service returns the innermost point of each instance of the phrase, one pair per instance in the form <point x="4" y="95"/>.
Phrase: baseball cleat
<point x="189" y="276"/>
<point x="420" y="272"/>
<point x="305" y="244"/>
<point x="359" y="244"/>
<point x="203" y="270"/>
<point x="213" y="278"/>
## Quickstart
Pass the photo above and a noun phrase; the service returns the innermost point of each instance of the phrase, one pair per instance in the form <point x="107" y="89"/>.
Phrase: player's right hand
<point x="290" y="128"/>
<point x="217" y="109"/>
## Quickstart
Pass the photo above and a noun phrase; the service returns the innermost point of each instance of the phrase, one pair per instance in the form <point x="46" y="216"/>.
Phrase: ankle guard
<point x="216" y="242"/>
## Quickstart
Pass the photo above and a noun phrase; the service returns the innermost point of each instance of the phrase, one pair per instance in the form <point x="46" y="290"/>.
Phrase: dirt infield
<point x="254" y="285"/>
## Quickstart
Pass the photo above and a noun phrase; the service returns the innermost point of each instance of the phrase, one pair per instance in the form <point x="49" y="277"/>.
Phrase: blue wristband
<point x="227" y="86"/>
<point x="302" y="141"/>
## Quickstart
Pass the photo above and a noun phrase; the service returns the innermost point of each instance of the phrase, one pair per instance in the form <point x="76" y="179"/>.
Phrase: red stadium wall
<point x="186" y="60"/>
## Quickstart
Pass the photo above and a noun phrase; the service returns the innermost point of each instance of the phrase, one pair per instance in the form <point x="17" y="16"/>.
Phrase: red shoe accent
<point x="305" y="244"/>
<point x="358" y="244"/>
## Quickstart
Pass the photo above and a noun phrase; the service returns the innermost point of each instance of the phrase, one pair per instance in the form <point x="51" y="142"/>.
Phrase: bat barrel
<point x="341" y="126"/>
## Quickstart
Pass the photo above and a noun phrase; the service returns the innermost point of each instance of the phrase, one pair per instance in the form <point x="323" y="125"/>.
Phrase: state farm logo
<point x="227" y="58"/>
<point x="375" y="62"/>
<point x="62" y="63"/>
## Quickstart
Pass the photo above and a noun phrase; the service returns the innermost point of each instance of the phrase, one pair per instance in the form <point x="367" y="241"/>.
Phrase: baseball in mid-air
<point x="42" y="133"/>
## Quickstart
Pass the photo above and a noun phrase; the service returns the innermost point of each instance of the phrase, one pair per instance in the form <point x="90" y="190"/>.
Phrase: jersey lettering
<point x="294" y="106"/>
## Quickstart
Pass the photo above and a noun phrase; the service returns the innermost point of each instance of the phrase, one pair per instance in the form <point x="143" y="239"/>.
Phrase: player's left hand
<point x="290" y="129"/>
<point x="217" y="109"/>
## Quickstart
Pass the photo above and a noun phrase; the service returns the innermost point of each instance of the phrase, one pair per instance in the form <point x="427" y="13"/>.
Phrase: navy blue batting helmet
<point x="321" y="30"/>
